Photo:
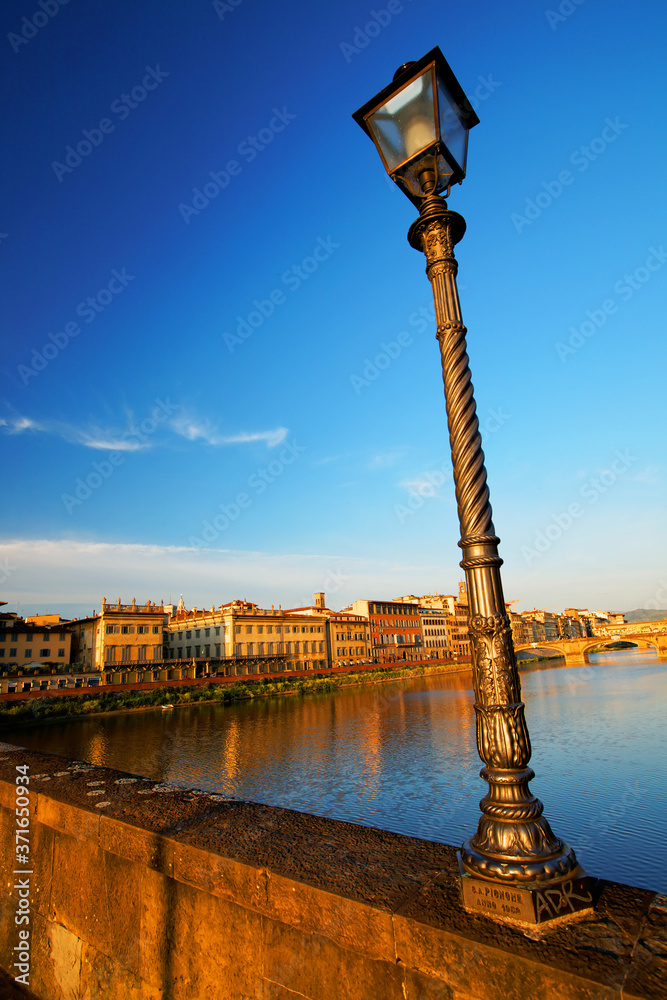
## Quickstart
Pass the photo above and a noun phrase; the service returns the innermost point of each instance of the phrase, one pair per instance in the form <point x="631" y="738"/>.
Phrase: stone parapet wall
<point x="149" y="891"/>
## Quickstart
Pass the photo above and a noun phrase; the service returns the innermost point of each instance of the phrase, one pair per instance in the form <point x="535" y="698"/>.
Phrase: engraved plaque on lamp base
<point x="528" y="905"/>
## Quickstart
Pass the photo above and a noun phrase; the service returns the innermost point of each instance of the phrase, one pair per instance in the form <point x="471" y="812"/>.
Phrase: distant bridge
<point x="642" y="634"/>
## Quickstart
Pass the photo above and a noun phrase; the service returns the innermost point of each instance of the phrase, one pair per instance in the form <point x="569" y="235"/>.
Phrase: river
<point x="402" y="755"/>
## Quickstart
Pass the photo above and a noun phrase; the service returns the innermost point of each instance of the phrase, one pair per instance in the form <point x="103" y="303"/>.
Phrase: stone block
<point x="66" y="818"/>
<point x="135" y="844"/>
<point x="314" y="966"/>
<point x="195" y="946"/>
<point x="40" y="858"/>
<point x="96" y="896"/>
<point x="473" y="968"/>
<point x="646" y="978"/>
<point x="56" y="961"/>
<point x="102" y="978"/>
<point x="351" y="924"/>
<point x="220" y="876"/>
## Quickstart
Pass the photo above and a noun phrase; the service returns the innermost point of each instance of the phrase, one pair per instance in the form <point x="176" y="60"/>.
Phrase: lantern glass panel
<point x="405" y="124"/>
<point x="452" y="132"/>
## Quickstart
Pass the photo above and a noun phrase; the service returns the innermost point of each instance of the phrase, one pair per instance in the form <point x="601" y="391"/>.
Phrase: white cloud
<point x="48" y="572"/>
<point x="194" y="429"/>
<point x="135" y="437"/>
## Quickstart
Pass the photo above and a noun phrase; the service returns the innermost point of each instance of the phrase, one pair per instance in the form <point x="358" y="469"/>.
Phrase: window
<point x="207" y="632"/>
<point x="44" y="652"/>
<point x="156" y="629"/>
<point x="45" y="637"/>
<point x="217" y="630"/>
<point x="109" y="654"/>
<point x="63" y="636"/>
<point x="188" y="635"/>
<point x="3" y="636"/>
<point x="125" y="629"/>
<point x="2" y="652"/>
<point x="28" y="637"/>
<point x="248" y="629"/>
<point x="187" y="650"/>
<point x="126" y="652"/>
<point x="141" y="652"/>
<point x="217" y="649"/>
<point x="269" y="629"/>
<point x="28" y="652"/>
<point x="197" y="631"/>
<point x="12" y="651"/>
<point x="260" y="629"/>
<point x="109" y="630"/>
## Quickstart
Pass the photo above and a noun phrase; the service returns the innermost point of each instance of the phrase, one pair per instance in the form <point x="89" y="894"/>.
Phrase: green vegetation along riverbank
<point x="30" y="711"/>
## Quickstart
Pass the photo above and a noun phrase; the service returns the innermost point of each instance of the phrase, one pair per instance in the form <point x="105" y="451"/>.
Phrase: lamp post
<point x="514" y="867"/>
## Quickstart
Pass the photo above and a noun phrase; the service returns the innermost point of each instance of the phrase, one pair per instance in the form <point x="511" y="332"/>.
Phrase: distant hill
<point x="644" y="615"/>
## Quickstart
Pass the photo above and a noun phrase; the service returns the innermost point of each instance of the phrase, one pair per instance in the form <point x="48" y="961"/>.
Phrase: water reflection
<point x="402" y="756"/>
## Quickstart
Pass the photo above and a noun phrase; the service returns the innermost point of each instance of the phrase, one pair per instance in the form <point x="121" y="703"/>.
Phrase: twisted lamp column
<point x="514" y="843"/>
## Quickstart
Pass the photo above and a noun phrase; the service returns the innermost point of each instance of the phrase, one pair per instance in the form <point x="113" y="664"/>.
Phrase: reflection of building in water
<point x="98" y="750"/>
<point x="230" y="751"/>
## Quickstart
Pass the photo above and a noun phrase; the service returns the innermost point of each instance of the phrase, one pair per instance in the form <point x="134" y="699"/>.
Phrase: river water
<point x="402" y="755"/>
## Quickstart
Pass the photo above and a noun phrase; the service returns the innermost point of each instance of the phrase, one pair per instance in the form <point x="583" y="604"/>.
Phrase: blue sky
<point x="189" y="396"/>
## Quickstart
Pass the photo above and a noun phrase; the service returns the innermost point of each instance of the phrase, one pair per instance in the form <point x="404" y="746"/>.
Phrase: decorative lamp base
<point x="536" y="904"/>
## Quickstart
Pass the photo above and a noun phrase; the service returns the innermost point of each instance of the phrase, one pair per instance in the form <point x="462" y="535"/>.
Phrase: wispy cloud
<point x="385" y="460"/>
<point x="135" y="436"/>
<point x="195" y="428"/>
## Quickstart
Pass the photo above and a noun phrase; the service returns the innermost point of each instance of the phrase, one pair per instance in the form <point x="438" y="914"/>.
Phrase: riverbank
<point x="31" y="712"/>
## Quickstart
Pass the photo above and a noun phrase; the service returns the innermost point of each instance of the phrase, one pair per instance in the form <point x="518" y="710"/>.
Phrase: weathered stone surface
<point x="11" y="990"/>
<point x="646" y="979"/>
<point x="56" y="961"/>
<point x="194" y="945"/>
<point x="137" y="845"/>
<point x="102" y="978"/>
<point x="96" y="896"/>
<point x="314" y="966"/>
<point x="353" y="925"/>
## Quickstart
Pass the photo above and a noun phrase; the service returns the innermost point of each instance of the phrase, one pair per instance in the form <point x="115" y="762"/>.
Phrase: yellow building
<point x="121" y="637"/>
<point x="254" y="640"/>
<point x="39" y="641"/>
<point x="348" y="635"/>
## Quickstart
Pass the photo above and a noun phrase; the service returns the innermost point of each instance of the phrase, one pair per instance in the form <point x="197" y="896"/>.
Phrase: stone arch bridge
<point x="642" y="634"/>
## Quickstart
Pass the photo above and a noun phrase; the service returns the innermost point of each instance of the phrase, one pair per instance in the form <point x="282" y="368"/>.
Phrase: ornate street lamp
<point x="514" y="867"/>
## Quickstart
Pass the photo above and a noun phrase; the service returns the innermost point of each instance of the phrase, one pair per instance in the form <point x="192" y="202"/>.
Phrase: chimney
<point x="319" y="600"/>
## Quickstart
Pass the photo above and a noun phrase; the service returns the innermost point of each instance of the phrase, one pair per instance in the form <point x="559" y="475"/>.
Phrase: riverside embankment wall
<point x="141" y="891"/>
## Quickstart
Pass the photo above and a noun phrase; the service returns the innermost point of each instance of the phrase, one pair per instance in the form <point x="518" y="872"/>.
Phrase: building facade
<point x="41" y="642"/>
<point x="436" y="632"/>
<point x="253" y="639"/>
<point x="119" y="638"/>
<point x="395" y="629"/>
